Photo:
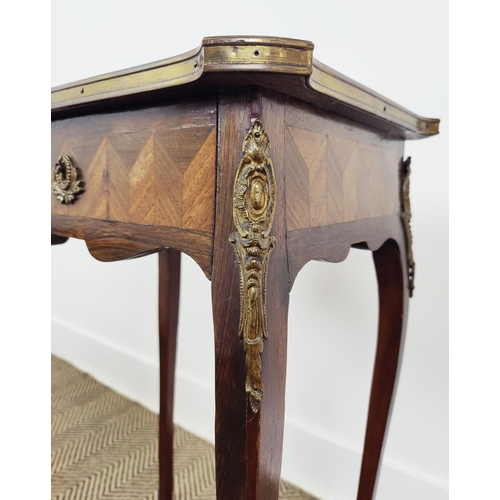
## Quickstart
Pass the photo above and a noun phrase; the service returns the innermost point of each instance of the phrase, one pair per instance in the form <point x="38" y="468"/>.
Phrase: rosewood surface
<point x="168" y="299"/>
<point x="158" y="149"/>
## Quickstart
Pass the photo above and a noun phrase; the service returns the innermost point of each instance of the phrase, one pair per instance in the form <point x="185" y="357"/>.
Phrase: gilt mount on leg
<point x="406" y="216"/>
<point x="253" y="214"/>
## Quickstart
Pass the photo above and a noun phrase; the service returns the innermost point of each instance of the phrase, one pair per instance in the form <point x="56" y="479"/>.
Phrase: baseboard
<point x="331" y="468"/>
<point x="135" y="376"/>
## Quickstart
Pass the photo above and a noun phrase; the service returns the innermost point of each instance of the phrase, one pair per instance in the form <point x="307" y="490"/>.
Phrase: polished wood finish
<point x="230" y="370"/>
<point x="58" y="240"/>
<point x="151" y="166"/>
<point x="332" y="243"/>
<point x="272" y="414"/>
<point x="158" y="148"/>
<point x="337" y="171"/>
<point x="248" y="445"/>
<point x="169" y="280"/>
<point x="393" y="293"/>
<point x="109" y="241"/>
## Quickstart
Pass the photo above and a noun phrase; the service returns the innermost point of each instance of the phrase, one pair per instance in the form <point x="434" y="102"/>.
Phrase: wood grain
<point x="163" y="177"/>
<point x="169" y="262"/>
<point x="332" y="243"/>
<point x="153" y="166"/>
<point x="269" y="440"/>
<point x="393" y="294"/>
<point x="108" y="241"/>
<point x="337" y="171"/>
<point x="230" y="370"/>
<point x="248" y="445"/>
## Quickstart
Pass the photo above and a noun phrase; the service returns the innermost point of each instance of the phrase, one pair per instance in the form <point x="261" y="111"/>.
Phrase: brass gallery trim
<point x="406" y="218"/>
<point x="253" y="213"/>
<point x="242" y="54"/>
<point x="65" y="182"/>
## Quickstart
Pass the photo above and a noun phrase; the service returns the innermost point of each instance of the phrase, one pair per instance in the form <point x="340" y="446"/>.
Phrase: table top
<point x="283" y="64"/>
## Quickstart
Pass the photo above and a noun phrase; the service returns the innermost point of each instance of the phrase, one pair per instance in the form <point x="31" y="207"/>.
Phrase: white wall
<point x="105" y="315"/>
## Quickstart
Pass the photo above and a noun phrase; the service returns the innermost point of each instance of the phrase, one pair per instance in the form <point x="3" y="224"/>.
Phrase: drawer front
<point x="153" y="166"/>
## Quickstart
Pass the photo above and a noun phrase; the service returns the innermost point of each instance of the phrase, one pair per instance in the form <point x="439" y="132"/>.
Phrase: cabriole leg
<point x="393" y="306"/>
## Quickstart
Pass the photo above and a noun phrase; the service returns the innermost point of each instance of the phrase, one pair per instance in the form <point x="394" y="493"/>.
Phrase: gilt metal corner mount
<point x="253" y="213"/>
<point x="406" y="217"/>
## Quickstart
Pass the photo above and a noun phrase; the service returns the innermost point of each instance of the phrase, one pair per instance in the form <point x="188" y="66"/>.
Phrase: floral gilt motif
<point x="253" y="213"/>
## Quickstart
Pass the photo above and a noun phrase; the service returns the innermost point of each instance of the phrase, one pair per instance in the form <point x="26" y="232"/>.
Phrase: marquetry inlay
<point x="161" y="171"/>
<point x="331" y="178"/>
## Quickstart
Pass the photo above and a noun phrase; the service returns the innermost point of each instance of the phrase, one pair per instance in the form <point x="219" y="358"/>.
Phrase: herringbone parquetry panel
<point x="105" y="446"/>
<point x="146" y="166"/>
<point x="335" y="171"/>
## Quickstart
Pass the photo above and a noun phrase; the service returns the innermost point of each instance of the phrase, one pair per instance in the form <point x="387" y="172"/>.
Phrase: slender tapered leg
<point x="248" y="427"/>
<point x="393" y="306"/>
<point x="169" y="277"/>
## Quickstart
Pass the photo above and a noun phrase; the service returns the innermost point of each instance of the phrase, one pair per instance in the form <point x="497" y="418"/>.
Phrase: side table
<point x="253" y="158"/>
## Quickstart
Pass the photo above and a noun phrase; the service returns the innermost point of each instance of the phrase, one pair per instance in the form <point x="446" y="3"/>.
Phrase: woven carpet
<point x="105" y="446"/>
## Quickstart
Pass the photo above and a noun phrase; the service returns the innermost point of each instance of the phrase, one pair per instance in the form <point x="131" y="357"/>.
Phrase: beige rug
<point x="105" y="446"/>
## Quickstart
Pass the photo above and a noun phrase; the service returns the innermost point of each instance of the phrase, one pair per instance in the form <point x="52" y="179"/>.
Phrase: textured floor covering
<point x="105" y="446"/>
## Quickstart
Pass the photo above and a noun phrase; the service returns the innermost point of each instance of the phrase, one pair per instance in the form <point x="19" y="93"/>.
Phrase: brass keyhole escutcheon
<point x="65" y="182"/>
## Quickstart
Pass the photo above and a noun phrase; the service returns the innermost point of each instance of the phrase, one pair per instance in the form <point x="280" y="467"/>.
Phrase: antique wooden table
<point x="253" y="158"/>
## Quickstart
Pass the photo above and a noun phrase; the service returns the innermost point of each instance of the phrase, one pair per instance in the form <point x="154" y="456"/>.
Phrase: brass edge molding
<point x="332" y="83"/>
<point x="259" y="53"/>
<point x="406" y="218"/>
<point x="243" y="54"/>
<point x="253" y="213"/>
<point x="272" y="55"/>
<point x="169" y="72"/>
<point x="65" y="182"/>
<point x="242" y="40"/>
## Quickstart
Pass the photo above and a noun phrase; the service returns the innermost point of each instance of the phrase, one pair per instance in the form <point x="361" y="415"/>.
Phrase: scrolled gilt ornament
<point x="65" y="183"/>
<point x="253" y="214"/>
<point x="406" y="217"/>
